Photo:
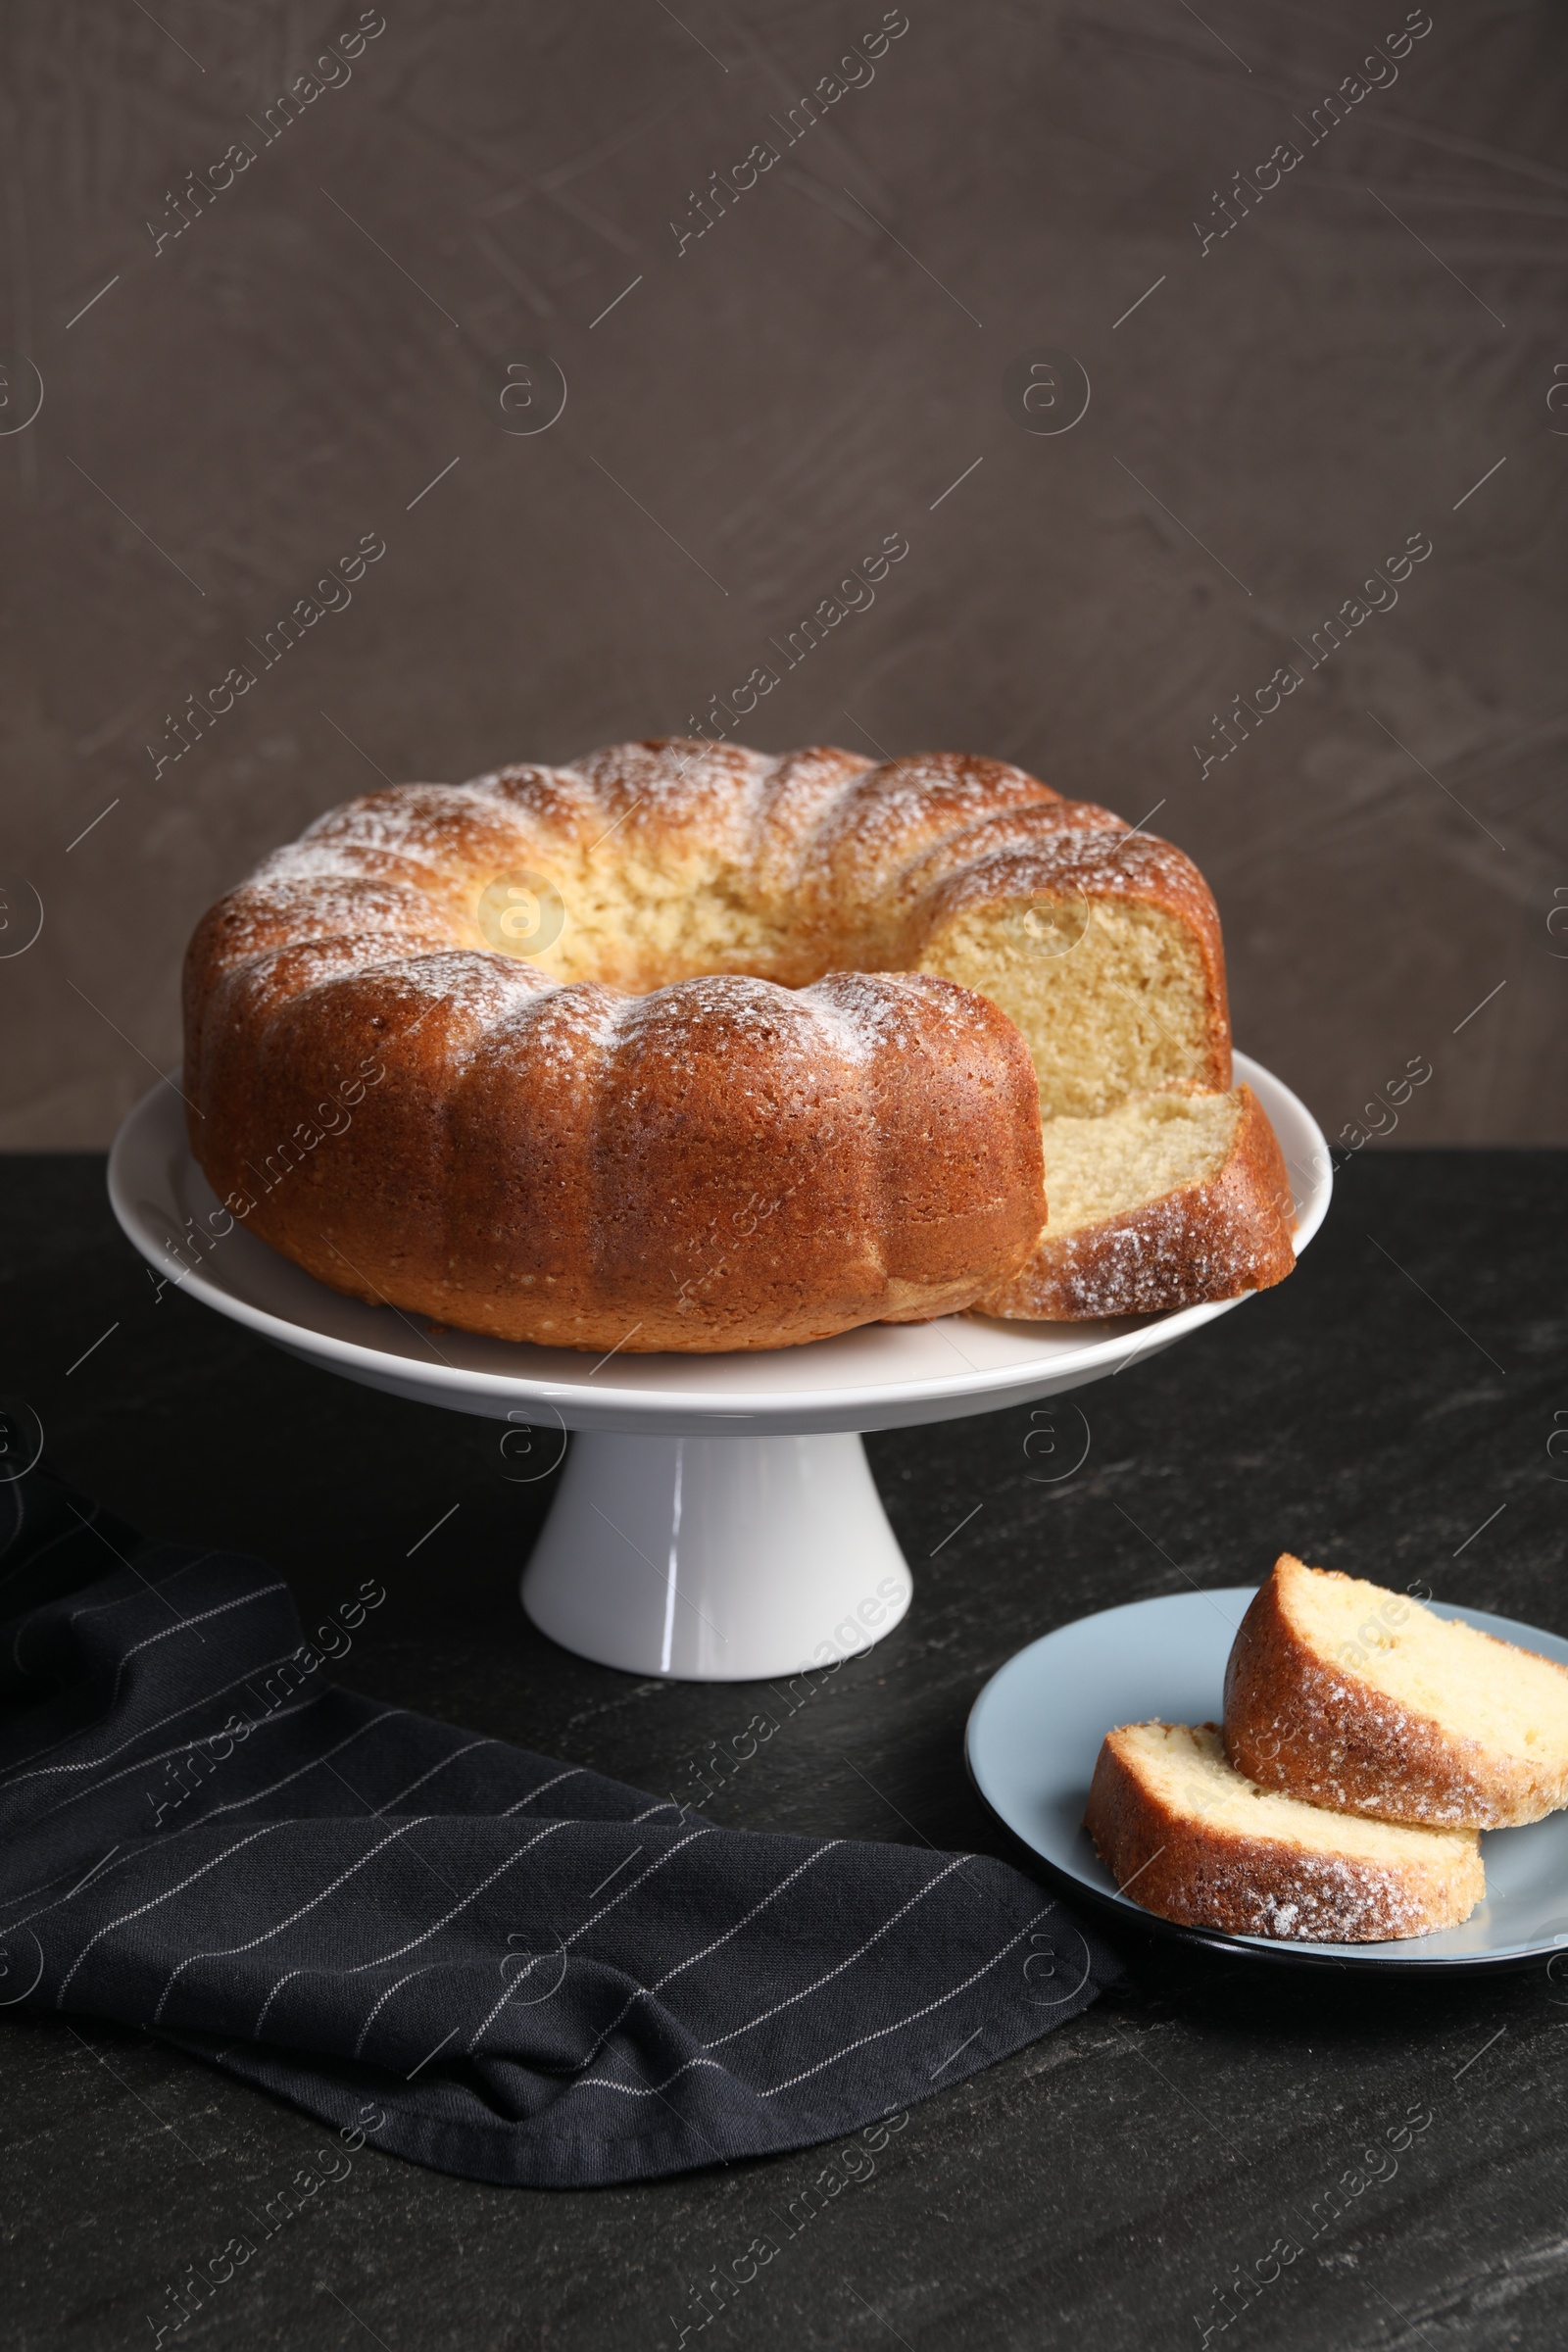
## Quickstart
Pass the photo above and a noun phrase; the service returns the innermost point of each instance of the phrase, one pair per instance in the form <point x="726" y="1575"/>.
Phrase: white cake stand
<point x="716" y="1520"/>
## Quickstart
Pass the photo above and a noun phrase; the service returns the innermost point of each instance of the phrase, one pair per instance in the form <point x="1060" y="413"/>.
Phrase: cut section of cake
<point x="1188" y="1837"/>
<point x="1167" y="1201"/>
<point x="1350" y="1696"/>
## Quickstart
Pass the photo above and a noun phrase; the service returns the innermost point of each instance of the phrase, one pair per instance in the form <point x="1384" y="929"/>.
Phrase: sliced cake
<point x="1346" y="1695"/>
<point x="1167" y="1201"/>
<point x="1185" y="1834"/>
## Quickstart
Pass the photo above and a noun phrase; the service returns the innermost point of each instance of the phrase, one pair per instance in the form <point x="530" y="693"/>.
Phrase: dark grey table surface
<point x="1104" y="2188"/>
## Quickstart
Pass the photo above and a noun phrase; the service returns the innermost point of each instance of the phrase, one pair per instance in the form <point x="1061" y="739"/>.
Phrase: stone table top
<point x="1212" y="2151"/>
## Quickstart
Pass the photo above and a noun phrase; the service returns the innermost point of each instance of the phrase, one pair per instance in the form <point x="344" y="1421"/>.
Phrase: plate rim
<point x="1117" y="1914"/>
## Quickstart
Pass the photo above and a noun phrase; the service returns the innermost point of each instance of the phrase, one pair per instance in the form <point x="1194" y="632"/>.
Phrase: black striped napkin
<point x="540" y="1975"/>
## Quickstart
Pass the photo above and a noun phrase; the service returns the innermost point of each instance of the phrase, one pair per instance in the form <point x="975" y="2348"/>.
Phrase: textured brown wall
<point x="1296" y="399"/>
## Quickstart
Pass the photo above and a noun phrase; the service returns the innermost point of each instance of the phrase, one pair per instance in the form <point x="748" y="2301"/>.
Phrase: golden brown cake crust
<point x="1212" y="1238"/>
<point x="1209" y="1876"/>
<point x="1321" y="1732"/>
<point x="705" y="1167"/>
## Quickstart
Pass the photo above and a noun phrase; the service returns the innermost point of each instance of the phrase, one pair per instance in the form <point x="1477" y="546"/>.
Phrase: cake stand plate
<point x="716" y="1520"/>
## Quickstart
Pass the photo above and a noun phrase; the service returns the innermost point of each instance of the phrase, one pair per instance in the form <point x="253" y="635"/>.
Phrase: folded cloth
<point x="538" y="1976"/>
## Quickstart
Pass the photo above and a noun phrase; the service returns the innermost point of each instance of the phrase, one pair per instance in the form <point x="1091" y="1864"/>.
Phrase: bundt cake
<point x="685" y="1047"/>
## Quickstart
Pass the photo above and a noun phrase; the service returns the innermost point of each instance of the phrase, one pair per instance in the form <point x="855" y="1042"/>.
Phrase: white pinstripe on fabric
<point x="378" y="2004"/>
<point x="647" y="2090"/>
<point x="154" y="1901"/>
<point x="232" y="1951"/>
<point x="241" y="1802"/>
<point x="90" y="1762"/>
<point x="361" y="1968"/>
<point x="261" y="2015"/>
<point x="657" y="2089"/>
<point x="647" y="1992"/>
<point x="432" y="1771"/>
<point x="645" y="1815"/>
<point x="570" y="1775"/>
<point x="235" y="1804"/>
<point x="97" y="1609"/>
<point x="181" y="1748"/>
<point x="626" y="1891"/>
<point x="186" y="1625"/>
<point x="914" y="2015"/>
<point x="806" y="1991"/>
<point x="148" y="1583"/>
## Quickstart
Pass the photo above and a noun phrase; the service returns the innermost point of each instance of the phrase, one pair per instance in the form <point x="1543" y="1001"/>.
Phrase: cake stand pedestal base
<point x="717" y="1519"/>
<point x="728" y="1559"/>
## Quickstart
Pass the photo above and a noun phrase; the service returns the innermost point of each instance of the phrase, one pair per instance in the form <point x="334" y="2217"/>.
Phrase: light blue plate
<point x="1036" y="1728"/>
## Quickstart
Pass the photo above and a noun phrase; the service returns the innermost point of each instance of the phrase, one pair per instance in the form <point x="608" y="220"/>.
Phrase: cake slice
<point x="1167" y="1201"/>
<point x="1185" y="1834"/>
<point x="1348" y="1695"/>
